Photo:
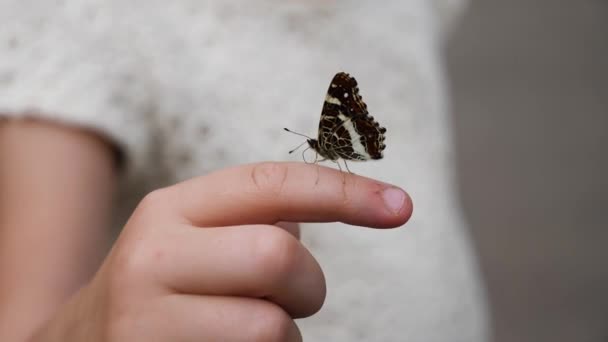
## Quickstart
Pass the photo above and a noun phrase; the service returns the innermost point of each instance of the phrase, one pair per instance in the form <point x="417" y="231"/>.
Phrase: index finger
<point x="265" y="193"/>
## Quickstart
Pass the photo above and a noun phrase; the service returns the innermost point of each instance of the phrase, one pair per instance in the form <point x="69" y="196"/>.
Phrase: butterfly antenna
<point x="295" y="149"/>
<point x="300" y="134"/>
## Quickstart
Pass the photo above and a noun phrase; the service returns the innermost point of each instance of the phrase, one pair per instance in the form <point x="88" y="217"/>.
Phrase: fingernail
<point x="393" y="199"/>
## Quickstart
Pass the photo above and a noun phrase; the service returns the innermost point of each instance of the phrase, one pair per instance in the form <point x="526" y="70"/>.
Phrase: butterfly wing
<point x="346" y="130"/>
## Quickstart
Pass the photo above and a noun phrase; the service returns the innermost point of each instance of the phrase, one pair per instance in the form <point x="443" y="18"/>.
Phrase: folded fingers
<point x="258" y="261"/>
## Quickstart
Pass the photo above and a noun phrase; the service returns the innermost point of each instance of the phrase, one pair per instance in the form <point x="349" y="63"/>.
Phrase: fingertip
<point x="398" y="206"/>
<point x="394" y="199"/>
<point x="408" y="208"/>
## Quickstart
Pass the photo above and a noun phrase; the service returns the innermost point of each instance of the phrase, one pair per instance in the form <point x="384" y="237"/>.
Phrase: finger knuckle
<point x="119" y="301"/>
<point x="272" y="324"/>
<point x="133" y="262"/>
<point x="140" y="245"/>
<point x="270" y="177"/>
<point x="276" y="254"/>
<point x="316" y="302"/>
<point x="153" y="202"/>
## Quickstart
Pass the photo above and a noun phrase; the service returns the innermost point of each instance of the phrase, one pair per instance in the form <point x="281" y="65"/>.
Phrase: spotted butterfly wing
<point x="346" y="130"/>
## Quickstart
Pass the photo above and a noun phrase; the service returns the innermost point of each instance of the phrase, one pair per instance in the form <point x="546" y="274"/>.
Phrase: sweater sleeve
<point x="64" y="63"/>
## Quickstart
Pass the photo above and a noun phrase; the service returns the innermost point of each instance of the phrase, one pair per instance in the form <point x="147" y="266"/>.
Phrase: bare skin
<point x="56" y="187"/>
<point x="202" y="260"/>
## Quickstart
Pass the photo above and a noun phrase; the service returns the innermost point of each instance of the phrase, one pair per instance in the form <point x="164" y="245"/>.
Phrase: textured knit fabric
<point x="190" y="86"/>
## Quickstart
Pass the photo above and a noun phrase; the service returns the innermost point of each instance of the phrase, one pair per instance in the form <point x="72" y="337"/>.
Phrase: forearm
<point x="56" y="187"/>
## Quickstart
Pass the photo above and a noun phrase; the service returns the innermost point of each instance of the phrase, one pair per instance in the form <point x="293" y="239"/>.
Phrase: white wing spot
<point x="333" y="100"/>
<point x="345" y="95"/>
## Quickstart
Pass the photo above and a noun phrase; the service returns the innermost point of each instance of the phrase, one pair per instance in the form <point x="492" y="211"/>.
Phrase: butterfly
<point x="346" y="130"/>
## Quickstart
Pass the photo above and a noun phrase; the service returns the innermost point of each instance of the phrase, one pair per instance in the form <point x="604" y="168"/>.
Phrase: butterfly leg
<point x="349" y="171"/>
<point x="342" y="172"/>
<point x="304" y="157"/>
<point x="317" y="161"/>
<point x="338" y="163"/>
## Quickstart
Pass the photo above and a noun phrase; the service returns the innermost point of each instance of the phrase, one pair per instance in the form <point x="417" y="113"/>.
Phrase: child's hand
<point x="204" y="261"/>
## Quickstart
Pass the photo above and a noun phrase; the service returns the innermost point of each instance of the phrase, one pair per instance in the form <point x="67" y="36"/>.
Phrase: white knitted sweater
<point x="189" y="86"/>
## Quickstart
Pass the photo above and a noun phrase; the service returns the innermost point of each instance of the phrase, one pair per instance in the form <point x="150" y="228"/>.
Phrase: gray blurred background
<point x="529" y="81"/>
